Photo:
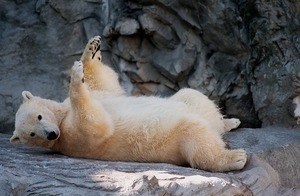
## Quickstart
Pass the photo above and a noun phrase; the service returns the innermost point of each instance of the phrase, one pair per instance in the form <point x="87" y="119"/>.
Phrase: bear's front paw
<point x="77" y="72"/>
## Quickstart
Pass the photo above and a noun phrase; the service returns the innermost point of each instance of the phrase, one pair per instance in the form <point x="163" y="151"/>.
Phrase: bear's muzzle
<point x="52" y="135"/>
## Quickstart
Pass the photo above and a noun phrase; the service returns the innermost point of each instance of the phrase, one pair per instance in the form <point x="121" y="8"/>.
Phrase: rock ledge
<point x="273" y="168"/>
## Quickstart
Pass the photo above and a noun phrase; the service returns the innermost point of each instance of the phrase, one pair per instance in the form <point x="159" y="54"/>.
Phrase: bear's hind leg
<point x="204" y="149"/>
<point x="200" y="104"/>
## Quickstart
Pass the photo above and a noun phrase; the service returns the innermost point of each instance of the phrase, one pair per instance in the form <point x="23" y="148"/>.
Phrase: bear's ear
<point x="26" y="96"/>
<point x="15" y="139"/>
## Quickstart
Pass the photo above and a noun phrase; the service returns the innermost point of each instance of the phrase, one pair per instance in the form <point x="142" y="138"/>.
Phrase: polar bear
<point x="122" y="128"/>
<point x="97" y="121"/>
<point x="103" y="81"/>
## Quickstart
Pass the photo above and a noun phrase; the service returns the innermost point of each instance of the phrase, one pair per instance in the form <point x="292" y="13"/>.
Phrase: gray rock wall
<point x="242" y="54"/>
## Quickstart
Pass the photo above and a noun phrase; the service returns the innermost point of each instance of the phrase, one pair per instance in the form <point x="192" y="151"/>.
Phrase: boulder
<point x="272" y="169"/>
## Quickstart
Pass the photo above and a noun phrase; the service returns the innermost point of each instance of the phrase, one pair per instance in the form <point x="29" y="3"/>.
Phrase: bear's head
<point x="35" y="123"/>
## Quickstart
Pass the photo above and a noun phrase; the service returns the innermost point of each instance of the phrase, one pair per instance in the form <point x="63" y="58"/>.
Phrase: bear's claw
<point x="92" y="50"/>
<point x="95" y="43"/>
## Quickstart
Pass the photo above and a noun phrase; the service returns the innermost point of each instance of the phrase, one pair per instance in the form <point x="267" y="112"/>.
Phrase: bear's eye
<point x="32" y="134"/>
<point x="39" y="117"/>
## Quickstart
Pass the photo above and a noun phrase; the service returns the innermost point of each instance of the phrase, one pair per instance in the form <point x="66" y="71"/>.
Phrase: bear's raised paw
<point x="77" y="72"/>
<point x="93" y="46"/>
<point x="92" y="51"/>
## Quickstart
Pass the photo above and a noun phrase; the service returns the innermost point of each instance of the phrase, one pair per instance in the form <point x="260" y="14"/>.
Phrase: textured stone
<point x="27" y="170"/>
<point x="273" y="145"/>
<point x="127" y="26"/>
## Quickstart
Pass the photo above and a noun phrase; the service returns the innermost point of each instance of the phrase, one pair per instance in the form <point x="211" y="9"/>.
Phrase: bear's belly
<point x="145" y="114"/>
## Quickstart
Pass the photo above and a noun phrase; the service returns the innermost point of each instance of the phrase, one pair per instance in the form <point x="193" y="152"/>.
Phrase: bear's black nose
<point x="52" y="135"/>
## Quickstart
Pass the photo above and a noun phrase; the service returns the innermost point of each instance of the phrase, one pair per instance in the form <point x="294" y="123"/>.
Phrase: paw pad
<point x="95" y="45"/>
<point x="78" y="66"/>
<point x="77" y="72"/>
<point x="91" y="50"/>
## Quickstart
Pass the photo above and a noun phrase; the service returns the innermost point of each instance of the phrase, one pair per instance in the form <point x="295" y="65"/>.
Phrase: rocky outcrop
<point x="243" y="54"/>
<point x="272" y="169"/>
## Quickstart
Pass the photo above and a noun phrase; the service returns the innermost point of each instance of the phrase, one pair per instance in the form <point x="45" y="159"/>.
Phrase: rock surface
<point x="272" y="169"/>
<point x="243" y="54"/>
